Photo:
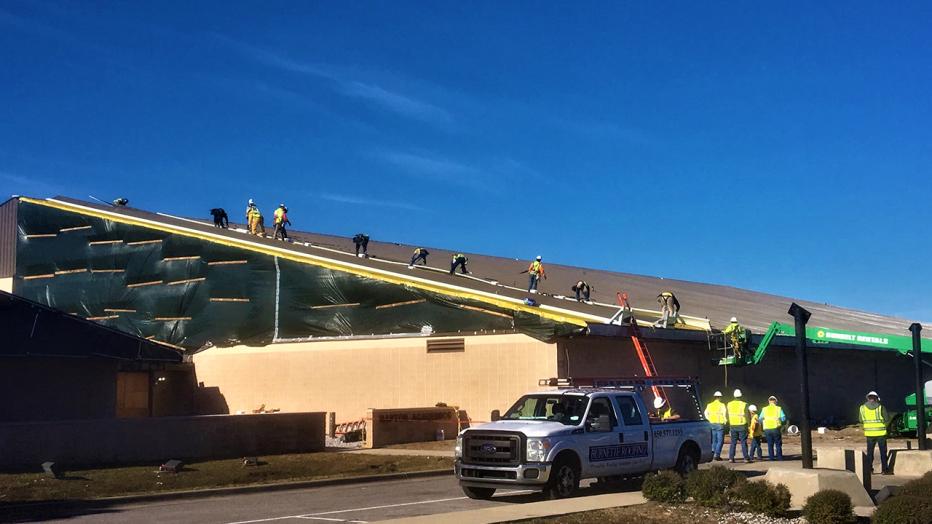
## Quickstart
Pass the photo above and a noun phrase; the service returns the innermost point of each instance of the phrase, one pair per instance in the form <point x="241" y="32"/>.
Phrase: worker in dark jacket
<point x="581" y="288"/>
<point x="280" y="218"/>
<point x="362" y="241"/>
<point x="221" y="219"/>
<point x="459" y="260"/>
<point x="419" y="254"/>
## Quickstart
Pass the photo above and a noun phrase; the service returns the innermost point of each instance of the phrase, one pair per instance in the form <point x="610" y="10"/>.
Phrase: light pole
<point x="802" y="317"/>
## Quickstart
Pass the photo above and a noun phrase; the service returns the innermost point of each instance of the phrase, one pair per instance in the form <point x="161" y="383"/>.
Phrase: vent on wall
<point x="446" y="345"/>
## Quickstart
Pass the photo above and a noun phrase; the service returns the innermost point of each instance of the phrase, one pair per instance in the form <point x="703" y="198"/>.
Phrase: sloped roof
<point x="715" y="302"/>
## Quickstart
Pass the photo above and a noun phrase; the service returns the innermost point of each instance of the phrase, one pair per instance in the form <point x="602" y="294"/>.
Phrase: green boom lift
<point x="901" y="423"/>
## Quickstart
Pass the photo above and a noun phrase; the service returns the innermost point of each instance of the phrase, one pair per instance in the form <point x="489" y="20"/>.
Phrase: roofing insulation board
<point x="31" y="329"/>
<point x="754" y="310"/>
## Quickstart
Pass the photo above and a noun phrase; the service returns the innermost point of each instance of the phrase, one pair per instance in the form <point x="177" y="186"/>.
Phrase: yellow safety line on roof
<point x="564" y="316"/>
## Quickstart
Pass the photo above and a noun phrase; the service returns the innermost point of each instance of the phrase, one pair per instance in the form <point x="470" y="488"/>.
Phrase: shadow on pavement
<point x="53" y="509"/>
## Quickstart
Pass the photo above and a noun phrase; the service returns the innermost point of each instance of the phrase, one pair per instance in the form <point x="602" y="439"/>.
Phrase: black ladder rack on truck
<point x="638" y="384"/>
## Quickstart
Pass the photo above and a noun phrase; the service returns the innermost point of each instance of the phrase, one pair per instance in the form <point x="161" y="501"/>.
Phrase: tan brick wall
<point x="349" y="377"/>
<point x="6" y="284"/>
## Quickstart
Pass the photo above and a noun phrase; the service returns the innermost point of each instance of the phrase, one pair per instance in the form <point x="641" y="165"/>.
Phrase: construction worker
<point x="874" y="419"/>
<point x="663" y="411"/>
<point x="670" y="307"/>
<point x="221" y="219"/>
<point x="362" y="241"/>
<point x="738" y="426"/>
<point x="460" y="260"/>
<point x="717" y="415"/>
<point x="581" y="288"/>
<point x="419" y="254"/>
<point x="280" y="218"/>
<point x="535" y="272"/>
<point x="756" y="433"/>
<point x="736" y="335"/>
<point x="120" y="202"/>
<point x="254" y="219"/>
<point x="772" y="419"/>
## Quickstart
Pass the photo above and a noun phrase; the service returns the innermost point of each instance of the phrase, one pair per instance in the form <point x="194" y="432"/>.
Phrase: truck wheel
<point x="478" y="493"/>
<point x="687" y="461"/>
<point x="564" y="479"/>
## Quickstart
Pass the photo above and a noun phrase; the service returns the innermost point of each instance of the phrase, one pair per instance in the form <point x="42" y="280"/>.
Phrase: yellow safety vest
<point x="535" y="268"/>
<point x="716" y="412"/>
<point x="736" y="413"/>
<point x="278" y="215"/>
<point x="770" y="416"/>
<point x="667" y="414"/>
<point x="872" y="422"/>
<point x="754" y="428"/>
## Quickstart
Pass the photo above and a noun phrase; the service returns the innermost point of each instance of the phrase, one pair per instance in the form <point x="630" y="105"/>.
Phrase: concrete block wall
<point x="146" y="440"/>
<point x="350" y="377"/>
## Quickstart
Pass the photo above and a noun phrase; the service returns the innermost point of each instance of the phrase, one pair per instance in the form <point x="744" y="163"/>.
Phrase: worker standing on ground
<point x="717" y="415"/>
<point x="874" y="418"/>
<point x="281" y="218"/>
<point x="772" y="419"/>
<point x="221" y="219"/>
<point x="581" y="288"/>
<point x="756" y="433"/>
<point x="535" y="272"/>
<point x="419" y="254"/>
<point x="460" y="260"/>
<point x="735" y="334"/>
<point x="362" y="241"/>
<point x="738" y="426"/>
<point x="669" y="306"/>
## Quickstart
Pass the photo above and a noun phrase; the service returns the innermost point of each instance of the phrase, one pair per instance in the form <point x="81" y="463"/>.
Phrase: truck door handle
<point x="645" y="436"/>
<point x="621" y="438"/>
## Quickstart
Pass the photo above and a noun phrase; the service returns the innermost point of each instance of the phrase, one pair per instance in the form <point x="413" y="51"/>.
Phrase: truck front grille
<point x="488" y="474"/>
<point x="492" y="450"/>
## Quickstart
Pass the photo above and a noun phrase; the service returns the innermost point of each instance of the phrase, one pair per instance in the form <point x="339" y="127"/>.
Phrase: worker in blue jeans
<point x="717" y="415"/>
<point x="738" y="423"/>
<point x="772" y="419"/>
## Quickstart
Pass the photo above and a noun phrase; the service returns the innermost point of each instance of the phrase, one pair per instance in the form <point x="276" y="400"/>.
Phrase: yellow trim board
<point x="549" y="312"/>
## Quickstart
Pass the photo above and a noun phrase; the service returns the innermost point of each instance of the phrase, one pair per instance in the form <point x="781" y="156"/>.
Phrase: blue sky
<point x="785" y="150"/>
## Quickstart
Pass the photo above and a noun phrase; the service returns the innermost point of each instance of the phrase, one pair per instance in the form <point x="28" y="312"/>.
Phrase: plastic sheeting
<point x="194" y="293"/>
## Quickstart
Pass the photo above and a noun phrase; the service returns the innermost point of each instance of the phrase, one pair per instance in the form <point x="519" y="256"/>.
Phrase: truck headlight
<point x="458" y="449"/>
<point x="537" y="449"/>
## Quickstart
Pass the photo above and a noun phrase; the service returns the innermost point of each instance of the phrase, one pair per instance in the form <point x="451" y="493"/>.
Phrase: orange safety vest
<point x="535" y="268"/>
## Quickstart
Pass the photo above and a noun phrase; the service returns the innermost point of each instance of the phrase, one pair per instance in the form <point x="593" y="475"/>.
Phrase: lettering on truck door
<point x="602" y="453"/>
<point x="634" y="440"/>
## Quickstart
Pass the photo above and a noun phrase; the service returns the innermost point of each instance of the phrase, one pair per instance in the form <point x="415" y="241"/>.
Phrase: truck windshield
<point x="565" y="409"/>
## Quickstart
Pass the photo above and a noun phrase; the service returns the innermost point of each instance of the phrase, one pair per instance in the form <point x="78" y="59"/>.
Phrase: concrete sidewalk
<point x="527" y="511"/>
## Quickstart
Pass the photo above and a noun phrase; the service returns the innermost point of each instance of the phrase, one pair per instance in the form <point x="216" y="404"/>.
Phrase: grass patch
<point x="97" y="483"/>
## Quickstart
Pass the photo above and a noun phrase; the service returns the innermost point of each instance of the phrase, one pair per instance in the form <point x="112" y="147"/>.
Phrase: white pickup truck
<point x="550" y="440"/>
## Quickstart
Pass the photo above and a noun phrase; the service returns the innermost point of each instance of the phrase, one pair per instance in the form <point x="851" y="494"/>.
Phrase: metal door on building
<point x="132" y="399"/>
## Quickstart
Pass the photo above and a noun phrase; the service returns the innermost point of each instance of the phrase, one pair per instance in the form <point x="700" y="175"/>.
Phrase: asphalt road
<point x="364" y="502"/>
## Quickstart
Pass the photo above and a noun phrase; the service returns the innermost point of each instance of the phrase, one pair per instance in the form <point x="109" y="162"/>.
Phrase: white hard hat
<point x="737" y="393"/>
<point x="717" y="394"/>
<point x="752" y="407"/>
<point x="734" y="319"/>
<point x="538" y="257"/>
<point x="771" y="397"/>
<point x="873" y="394"/>
<point x="659" y="402"/>
<point x="251" y="202"/>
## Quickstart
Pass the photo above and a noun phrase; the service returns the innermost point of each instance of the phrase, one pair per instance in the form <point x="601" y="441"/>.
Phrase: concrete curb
<point x="232" y="490"/>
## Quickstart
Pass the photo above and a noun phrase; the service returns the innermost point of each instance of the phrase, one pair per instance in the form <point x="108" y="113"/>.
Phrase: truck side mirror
<point x="496" y="415"/>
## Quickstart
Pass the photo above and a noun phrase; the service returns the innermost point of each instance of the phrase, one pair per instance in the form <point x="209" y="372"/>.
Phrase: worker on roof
<point x="362" y="243"/>
<point x="663" y="411"/>
<point x="756" y="433"/>
<point x="419" y="254"/>
<point x="772" y="420"/>
<point x="873" y="417"/>
<point x="535" y="272"/>
<point x="459" y="260"/>
<point x="280" y="217"/>
<point x="221" y="219"/>
<point x="581" y="288"/>
<point x="738" y="426"/>
<point x="120" y="202"/>
<point x="254" y="220"/>
<point x="736" y="337"/>
<point x="669" y="306"/>
<point x="717" y="415"/>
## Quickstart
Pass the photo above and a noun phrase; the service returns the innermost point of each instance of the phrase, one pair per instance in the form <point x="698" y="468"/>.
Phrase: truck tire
<point x="478" y="493"/>
<point x="564" y="479"/>
<point x="687" y="461"/>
